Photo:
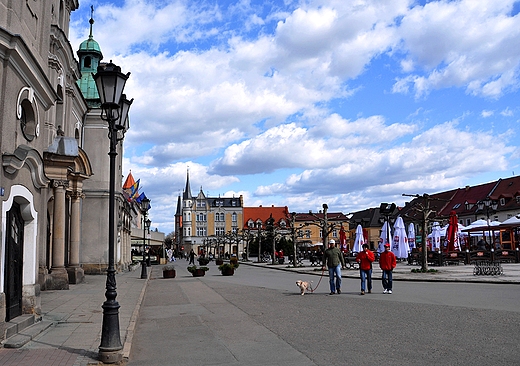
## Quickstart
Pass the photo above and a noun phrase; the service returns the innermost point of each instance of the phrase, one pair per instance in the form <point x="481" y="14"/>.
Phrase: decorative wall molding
<point x="26" y="155"/>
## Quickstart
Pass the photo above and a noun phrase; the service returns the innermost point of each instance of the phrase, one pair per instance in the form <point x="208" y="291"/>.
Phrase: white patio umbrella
<point x="385" y="237"/>
<point x="411" y="236"/>
<point x="483" y="225"/>
<point x="400" y="243"/>
<point x="360" y="240"/>
<point x="436" y="236"/>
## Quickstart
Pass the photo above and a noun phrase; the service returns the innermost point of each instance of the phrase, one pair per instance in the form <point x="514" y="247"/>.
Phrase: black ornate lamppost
<point x="489" y="207"/>
<point x="110" y="83"/>
<point x="386" y="210"/>
<point x="145" y="205"/>
<point x="147" y="225"/>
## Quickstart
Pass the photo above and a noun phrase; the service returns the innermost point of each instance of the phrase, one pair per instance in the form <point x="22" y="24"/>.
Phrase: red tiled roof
<point x="470" y="195"/>
<point x="263" y="213"/>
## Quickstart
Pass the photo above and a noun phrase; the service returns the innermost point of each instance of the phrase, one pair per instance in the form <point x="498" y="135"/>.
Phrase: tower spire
<point x="187" y="190"/>
<point x="91" y="21"/>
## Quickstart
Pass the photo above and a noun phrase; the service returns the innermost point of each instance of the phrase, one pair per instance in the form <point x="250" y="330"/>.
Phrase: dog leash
<point x="322" y="272"/>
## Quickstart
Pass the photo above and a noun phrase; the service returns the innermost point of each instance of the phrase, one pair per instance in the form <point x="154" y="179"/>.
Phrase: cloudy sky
<point x="299" y="103"/>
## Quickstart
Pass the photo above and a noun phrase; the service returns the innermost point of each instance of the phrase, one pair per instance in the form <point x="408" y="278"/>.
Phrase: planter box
<point x="169" y="273"/>
<point x="198" y="273"/>
<point x="228" y="272"/>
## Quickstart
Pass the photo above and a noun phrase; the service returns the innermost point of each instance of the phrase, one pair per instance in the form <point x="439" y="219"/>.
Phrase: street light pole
<point x="271" y="229"/>
<point x="325" y="232"/>
<point x="293" y="234"/>
<point x="110" y="83"/>
<point x="148" y="223"/>
<point x="145" y="205"/>
<point x="490" y="206"/>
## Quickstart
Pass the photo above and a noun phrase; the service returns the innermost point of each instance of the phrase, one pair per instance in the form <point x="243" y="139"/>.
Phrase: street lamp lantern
<point x="145" y="204"/>
<point x="110" y="83"/>
<point x="122" y="121"/>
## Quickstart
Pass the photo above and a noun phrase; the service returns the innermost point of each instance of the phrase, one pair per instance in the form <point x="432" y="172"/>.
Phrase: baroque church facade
<point x="54" y="179"/>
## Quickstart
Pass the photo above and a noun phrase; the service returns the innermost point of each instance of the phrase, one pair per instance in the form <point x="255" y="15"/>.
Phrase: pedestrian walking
<point x="365" y="259"/>
<point x="192" y="257"/>
<point x="333" y="259"/>
<point x="387" y="263"/>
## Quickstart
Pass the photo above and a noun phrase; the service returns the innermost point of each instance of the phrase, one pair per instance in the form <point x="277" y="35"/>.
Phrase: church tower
<point x="90" y="56"/>
<point x="94" y="257"/>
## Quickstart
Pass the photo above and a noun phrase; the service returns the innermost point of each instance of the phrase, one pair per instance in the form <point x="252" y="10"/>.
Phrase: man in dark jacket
<point x="333" y="258"/>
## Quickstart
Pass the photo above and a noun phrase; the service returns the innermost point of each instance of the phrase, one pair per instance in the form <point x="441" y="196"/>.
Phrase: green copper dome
<point x="90" y="56"/>
<point x="89" y="45"/>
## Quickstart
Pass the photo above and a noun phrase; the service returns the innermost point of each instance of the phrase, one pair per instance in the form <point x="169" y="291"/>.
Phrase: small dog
<point x="304" y="286"/>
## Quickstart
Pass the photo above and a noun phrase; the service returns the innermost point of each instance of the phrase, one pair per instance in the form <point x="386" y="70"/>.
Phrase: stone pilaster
<point x="59" y="277"/>
<point x="75" y="272"/>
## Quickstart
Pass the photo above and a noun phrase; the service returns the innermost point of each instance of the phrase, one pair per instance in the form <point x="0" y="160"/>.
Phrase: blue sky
<point x="300" y="103"/>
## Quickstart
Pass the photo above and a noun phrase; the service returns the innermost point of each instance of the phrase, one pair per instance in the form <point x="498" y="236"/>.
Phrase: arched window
<point x="27" y="120"/>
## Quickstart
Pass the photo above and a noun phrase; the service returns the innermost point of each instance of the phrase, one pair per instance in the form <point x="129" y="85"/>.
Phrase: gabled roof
<point x="263" y="213"/>
<point x="465" y="195"/>
<point x="366" y="218"/>
<point x="508" y="189"/>
<point x="438" y="202"/>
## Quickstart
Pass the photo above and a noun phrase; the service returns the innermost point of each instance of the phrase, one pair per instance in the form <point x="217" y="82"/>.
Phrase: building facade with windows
<point x="205" y="223"/>
<point x="313" y="227"/>
<point x="49" y="154"/>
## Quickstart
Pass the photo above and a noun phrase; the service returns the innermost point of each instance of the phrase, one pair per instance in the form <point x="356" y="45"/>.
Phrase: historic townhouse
<point x="203" y="222"/>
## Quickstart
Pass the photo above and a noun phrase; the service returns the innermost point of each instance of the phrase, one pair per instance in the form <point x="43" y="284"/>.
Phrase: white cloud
<point x="487" y="113"/>
<point x="507" y="112"/>
<point x="296" y="95"/>
<point x="458" y="44"/>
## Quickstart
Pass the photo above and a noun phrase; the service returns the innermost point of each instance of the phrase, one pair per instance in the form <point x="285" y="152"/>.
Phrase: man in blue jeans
<point x="365" y="259"/>
<point x="333" y="259"/>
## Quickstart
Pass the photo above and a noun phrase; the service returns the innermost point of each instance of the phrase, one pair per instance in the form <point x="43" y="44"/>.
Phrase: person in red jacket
<point x="387" y="263"/>
<point x="365" y="259"/>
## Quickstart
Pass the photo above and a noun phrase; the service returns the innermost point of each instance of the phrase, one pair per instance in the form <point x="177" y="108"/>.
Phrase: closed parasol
<point x="360" y="240"/>
<point x="452" y="233"/>
<point x="385" y="237"/>
<point x="411" y="236"/>
<point x="436" y="236"/>
<point x="400" y="243"/>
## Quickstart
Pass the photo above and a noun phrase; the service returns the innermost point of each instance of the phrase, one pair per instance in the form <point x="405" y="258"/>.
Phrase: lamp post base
<point x="110" y="356"/>
<point x="144" y="271"/>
